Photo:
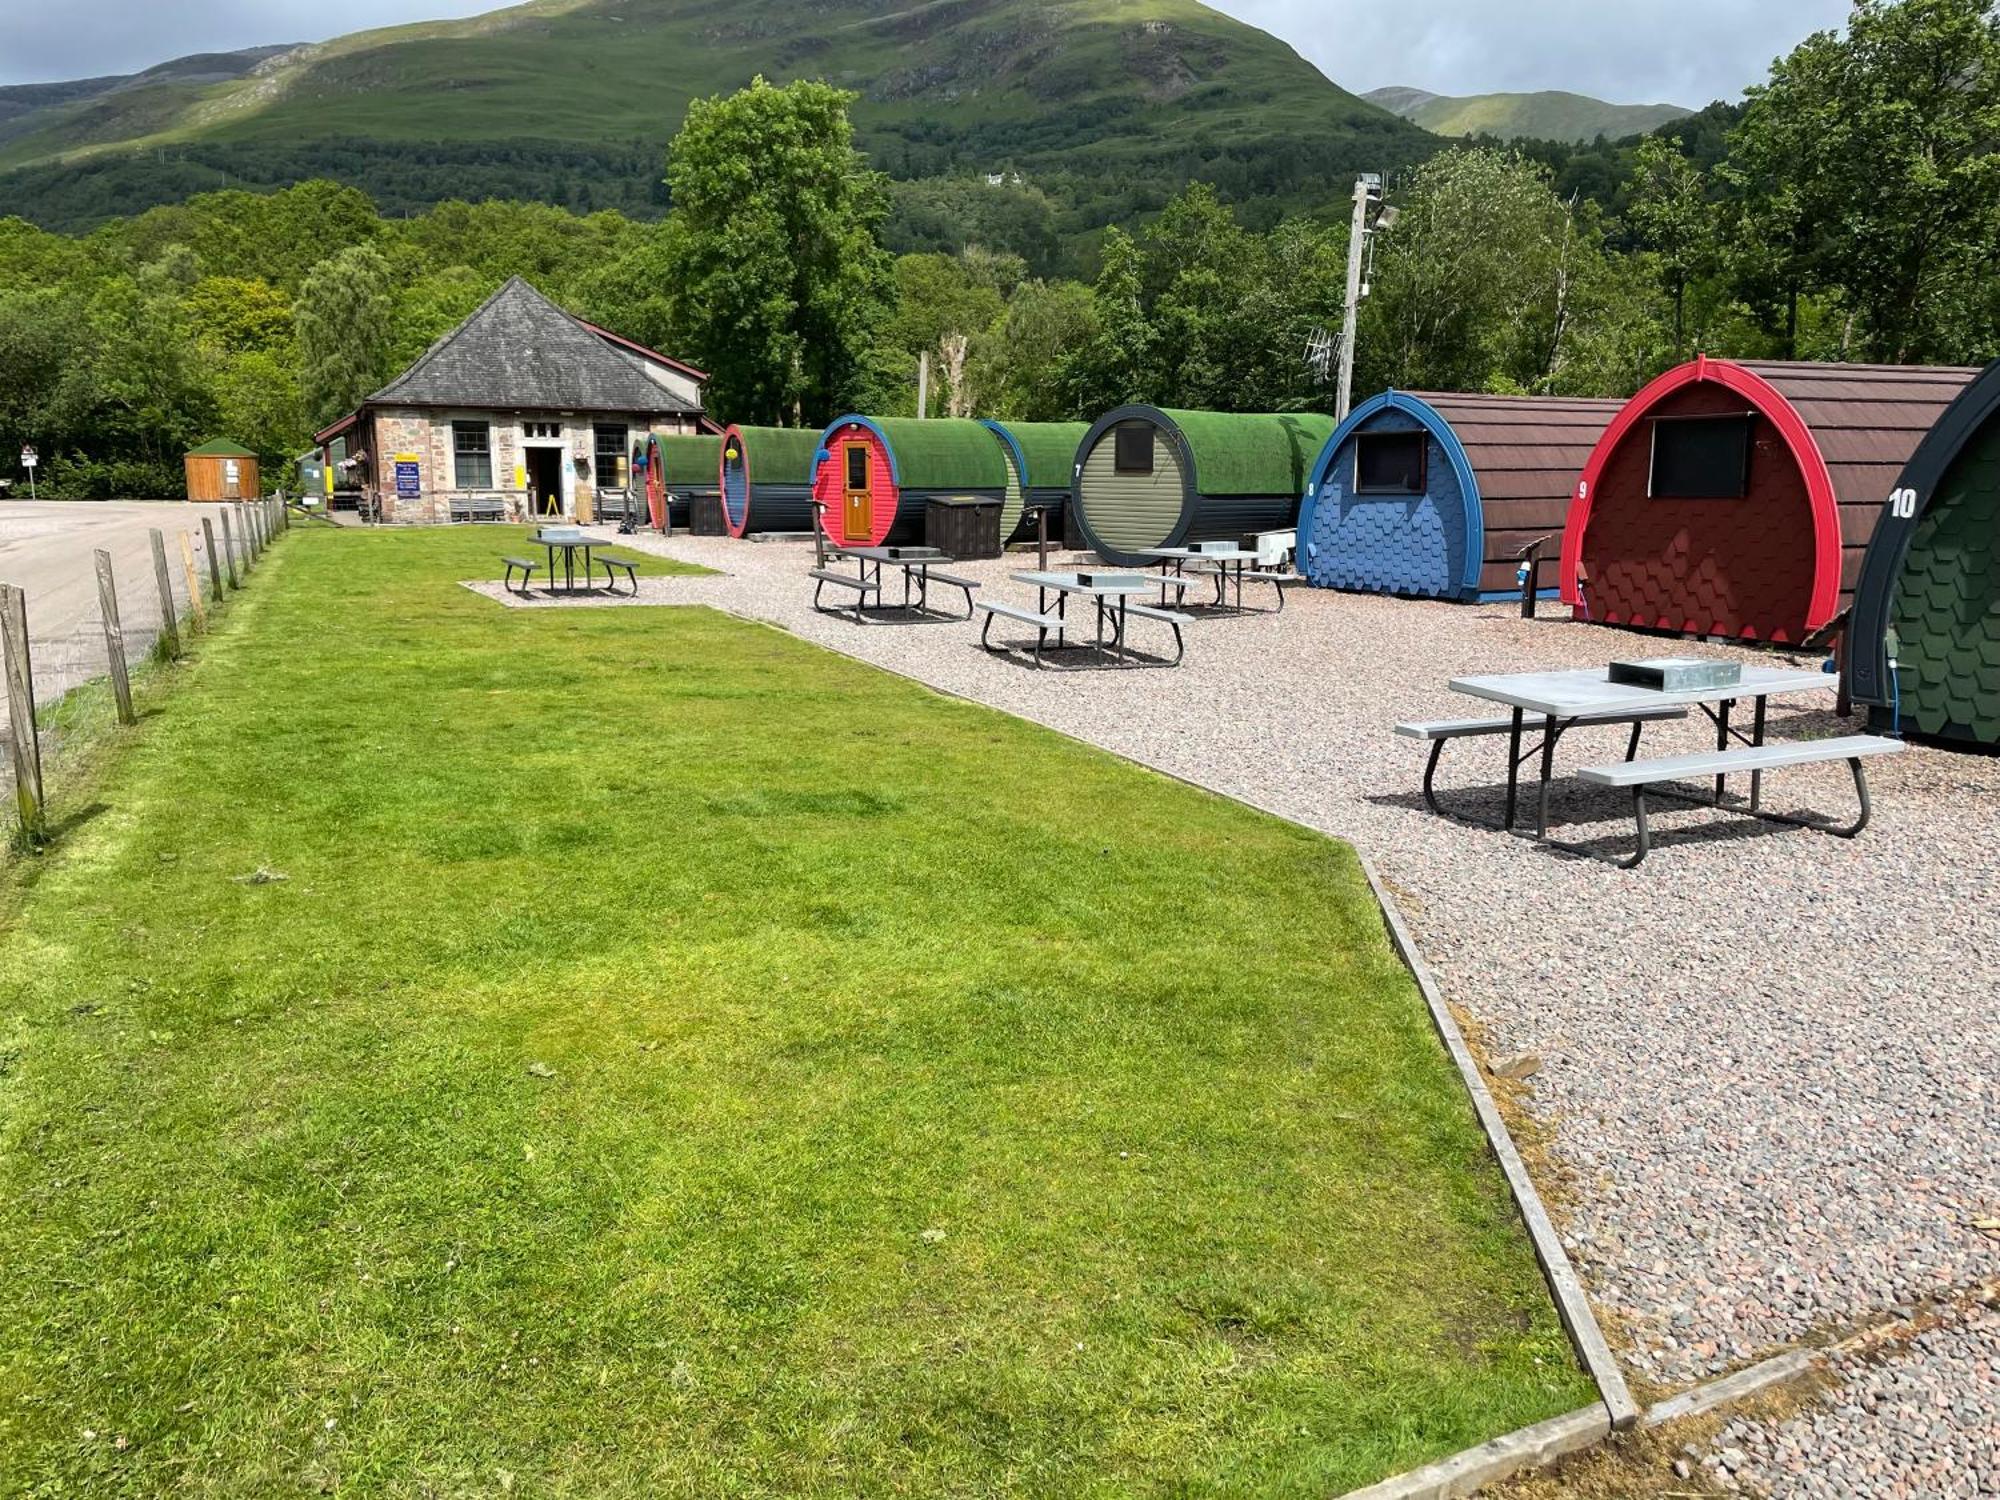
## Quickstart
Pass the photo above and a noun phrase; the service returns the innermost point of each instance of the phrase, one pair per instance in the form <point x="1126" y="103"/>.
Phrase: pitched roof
<point x="519" y="350"/>
<point x="220" y="448"/>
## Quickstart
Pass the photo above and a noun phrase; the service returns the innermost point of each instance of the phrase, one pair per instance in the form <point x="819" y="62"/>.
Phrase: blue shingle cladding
<point x="1420" y="545"/>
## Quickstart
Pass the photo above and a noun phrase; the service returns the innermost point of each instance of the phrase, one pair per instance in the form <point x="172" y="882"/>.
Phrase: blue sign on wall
<point x="409" y="479"/>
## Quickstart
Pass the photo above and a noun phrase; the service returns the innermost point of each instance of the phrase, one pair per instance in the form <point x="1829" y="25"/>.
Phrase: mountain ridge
<point x="1546" y="115"/>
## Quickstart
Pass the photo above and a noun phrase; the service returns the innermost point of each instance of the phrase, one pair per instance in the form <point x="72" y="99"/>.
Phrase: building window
<point x="610" y="464"/>
<point x="471" y="456"/>
<point x="1701" y="458"/>
<point x="547" y="432"/>
<point x="1389" y="463"/>
<point x="857" y="466"/>
<point x="1134" y="452"/>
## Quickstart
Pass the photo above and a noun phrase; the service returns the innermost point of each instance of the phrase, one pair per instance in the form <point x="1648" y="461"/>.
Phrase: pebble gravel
<point x="1770" y="1059"/>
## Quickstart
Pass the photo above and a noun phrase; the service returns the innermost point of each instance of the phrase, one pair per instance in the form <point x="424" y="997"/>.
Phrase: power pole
<point x="923" y="385"/>
<point x="1366" y="187"/>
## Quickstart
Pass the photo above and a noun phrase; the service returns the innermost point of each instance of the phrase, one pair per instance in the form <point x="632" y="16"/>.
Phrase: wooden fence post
<point x="170" y="624"/>
<point x="214" y="558"/>
<point x="246" y="551"/>
<point x="256" y="520"/>
<point x="114" y="637"/>
<point x="27" y="754"/>
<point x="193" y="582"/>
<point x="229" y="551"/>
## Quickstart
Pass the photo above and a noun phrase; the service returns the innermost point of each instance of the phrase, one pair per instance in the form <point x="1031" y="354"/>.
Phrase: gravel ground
<point x="1769" y="1058"/>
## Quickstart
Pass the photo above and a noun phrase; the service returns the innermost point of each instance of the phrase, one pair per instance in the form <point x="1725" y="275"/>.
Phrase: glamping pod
<point x="1436" y="496"/>
<point x="221" y="471"/>
<point x="1148" y="478"/>
<point x="879" y="475"/>
<point x="1932" y="575"/>
<point x="767" y="475"/>
<point x="1041" y="466"/>
<point x="1732" y="499"/>
<point x="690" y="467"/>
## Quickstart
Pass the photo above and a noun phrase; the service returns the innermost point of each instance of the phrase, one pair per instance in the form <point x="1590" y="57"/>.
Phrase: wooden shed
<point x="880" y="474"/>
<point x="1149" y="478"/>
<point x="1731" y="499"/>
<point x="1932" y="576"/>
<point x="1435" y="496"/>
<point x="1041" y="468"/>
<point x="767" y="475"/>
<point x="222" y="471"/>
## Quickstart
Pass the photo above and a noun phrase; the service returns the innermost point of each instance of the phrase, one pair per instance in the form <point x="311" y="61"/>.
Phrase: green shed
<point x="1147" y="478"/>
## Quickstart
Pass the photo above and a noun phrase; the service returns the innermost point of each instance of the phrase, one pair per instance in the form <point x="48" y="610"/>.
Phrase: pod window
<point x="1701" y="458"/>
<point x="1390" y="463"/>
<point x="1134" y="453"/>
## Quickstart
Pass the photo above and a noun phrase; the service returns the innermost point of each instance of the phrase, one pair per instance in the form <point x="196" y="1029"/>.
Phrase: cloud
<point x="1629" y="51"/>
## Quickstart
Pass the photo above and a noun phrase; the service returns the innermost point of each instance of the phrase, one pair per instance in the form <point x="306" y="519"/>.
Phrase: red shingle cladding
<point x="1526" y="452"/>
<point x="1829" y="443"/>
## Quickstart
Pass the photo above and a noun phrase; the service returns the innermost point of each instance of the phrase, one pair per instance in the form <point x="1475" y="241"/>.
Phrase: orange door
<point x="856" y="515"/>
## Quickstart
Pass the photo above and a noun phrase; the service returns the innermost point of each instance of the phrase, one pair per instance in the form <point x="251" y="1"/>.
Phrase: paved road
<point x="46" y="547"/>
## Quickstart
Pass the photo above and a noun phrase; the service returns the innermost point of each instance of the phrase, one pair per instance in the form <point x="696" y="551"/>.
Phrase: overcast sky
<point x="1632" y="51"/>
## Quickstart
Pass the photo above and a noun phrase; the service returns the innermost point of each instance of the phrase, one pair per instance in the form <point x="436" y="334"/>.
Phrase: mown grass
<point x="680" y="1061"/>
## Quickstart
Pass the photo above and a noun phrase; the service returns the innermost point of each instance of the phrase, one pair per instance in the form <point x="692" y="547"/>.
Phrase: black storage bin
<point x="708" y="520"/>
<point x="963" y="526"/>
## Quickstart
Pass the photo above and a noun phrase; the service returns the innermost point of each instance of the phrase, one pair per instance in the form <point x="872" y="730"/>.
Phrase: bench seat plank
<point x="846" y="580"/>
<point x="1736" y="761"/>
<point x="1455" y="729"/>
<point x="1154" y="612"/>
<point x="1025" y="616"/>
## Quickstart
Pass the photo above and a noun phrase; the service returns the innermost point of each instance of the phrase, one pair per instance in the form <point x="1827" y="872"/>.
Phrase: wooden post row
<point x="27" y="754"/>
<point x="195" y="583"/>
<point x="170" y="624"/>
<point x="114" y="637"/>
<point x="229" y="551"/>
<point x="214" y="558"/>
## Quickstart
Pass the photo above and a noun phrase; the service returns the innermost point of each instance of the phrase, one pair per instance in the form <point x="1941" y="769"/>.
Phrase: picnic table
<point x="569" y="546"/>
<point x="1564" y="700"/>
<point x="1229" y="565"/>
<point x="918" y="565"/>
<point x="1112" y="595"/>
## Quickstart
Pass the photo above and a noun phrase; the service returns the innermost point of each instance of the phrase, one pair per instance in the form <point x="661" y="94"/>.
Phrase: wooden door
<point x="856" y="515"/>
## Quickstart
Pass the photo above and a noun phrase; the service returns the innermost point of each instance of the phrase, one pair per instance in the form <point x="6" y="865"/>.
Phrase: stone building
<point x="521" y="412"/>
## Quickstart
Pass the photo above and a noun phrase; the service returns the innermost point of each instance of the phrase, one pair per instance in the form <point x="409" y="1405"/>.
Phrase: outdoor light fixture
<point x="1386" y="219"/>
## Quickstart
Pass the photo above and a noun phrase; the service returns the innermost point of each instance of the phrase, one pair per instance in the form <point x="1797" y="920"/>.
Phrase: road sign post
<point x="29" y="459"/>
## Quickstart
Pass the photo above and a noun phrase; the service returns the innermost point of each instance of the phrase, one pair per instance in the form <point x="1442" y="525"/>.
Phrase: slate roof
<point x="521" y="351"/>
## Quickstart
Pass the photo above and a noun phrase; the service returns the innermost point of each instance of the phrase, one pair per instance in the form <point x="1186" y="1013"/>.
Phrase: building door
<point x="545" y="491"/>
<point x="856" y="515"/>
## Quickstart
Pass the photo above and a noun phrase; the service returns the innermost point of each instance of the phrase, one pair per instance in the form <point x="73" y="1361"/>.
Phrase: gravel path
<point x="1769" y="1058"/>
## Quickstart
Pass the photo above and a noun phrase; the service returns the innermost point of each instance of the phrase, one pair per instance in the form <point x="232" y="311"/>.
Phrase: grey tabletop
<point x="897" y="554"/>
<point x="1587" y="690"/>
<point x="1197" y="554"/>
<point x="1115" y="585"/>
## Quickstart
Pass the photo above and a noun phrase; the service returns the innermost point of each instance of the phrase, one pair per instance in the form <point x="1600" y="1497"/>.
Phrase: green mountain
<point x="1548" y="116"/>
<point x="1109" y="105"/>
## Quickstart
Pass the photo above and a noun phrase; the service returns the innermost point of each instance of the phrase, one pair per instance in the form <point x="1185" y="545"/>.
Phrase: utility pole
<point x="923" y="385"/>
<point x="1366" y="188"/>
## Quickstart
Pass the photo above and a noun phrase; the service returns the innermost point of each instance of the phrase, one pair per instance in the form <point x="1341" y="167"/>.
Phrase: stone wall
<point x="426" y="435"/>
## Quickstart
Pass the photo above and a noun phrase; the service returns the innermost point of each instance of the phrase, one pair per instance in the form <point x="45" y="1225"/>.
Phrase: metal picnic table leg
<point x="1757" y="777"/>
<point x="1549" y="736"/>
<point x="1722" y="742"/>
<point x="1513" y="768"/>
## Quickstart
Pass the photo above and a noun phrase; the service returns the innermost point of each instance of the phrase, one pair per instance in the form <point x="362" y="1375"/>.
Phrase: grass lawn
<point x="681" y="1061"/>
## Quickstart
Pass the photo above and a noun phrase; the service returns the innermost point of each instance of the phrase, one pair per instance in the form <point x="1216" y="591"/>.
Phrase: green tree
<point x="346" y="326"/>
<point x="1671" y="216"/>
<point x="779" y="281"/>
<point x="1021" y="369"/>
<point x="1870" y="165"/>
<point x="1116" y="366"/>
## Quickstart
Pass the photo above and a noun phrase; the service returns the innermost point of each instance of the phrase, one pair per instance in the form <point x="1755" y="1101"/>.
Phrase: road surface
<point x="46" y="549"/>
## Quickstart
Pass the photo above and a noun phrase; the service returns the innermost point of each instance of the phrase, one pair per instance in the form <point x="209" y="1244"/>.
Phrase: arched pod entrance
<point x="882" y="472"/>
<point x="1148" y="478"/>
<point x="1735" y="500"/>
<point x="1932" y="575"/>
<point x="1436" y="495"/>
<point x="767" y="475"/>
